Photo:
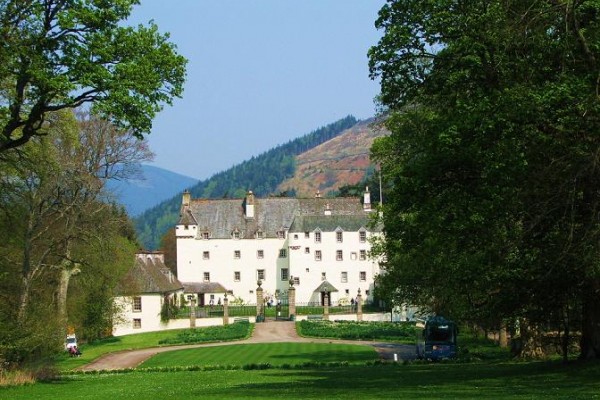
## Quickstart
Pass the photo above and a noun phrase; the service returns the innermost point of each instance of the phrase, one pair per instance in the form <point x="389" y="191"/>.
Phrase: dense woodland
<point x="494" y="213"/>
<point x="261" y="174"/>
<point x="78" y="92"/>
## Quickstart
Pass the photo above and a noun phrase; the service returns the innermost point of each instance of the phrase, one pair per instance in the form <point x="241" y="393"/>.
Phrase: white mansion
<point x="227" y="245"/>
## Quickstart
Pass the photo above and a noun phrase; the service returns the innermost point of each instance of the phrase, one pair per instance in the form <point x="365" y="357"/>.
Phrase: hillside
<point x="156" y="185"/>
<point x="325" y="159"/>
<point x="343" y="160"/>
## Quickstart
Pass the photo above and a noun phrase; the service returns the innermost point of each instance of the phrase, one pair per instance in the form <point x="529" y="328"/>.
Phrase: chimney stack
<point x="249" y="205"/>
<point x="367" y="200"/>
<point x="186" y="198"/>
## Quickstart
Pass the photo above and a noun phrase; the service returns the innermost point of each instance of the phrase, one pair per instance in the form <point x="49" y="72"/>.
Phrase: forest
<point x="261" y="174"/>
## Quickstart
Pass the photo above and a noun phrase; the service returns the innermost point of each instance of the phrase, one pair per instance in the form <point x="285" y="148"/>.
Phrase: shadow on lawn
<point x="578" y="380"/>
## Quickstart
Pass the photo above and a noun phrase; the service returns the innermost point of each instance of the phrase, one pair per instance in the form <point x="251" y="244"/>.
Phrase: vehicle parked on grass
<point x="70" y="341"/>
<point x="436" y="339"/>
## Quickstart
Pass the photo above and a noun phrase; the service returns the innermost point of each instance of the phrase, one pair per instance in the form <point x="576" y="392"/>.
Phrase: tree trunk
<point x="503" y="337"/>
<point x="531" y="341"/>
<point x="63" y="287"/>
<point x="24" y="301"/>
<point x="590" y="330"/>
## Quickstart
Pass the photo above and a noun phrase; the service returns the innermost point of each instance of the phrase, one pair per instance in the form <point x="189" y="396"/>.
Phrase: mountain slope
<point x="156" y="185"/>
<point x="343" y="160"/>
<point x="262" y="174"/>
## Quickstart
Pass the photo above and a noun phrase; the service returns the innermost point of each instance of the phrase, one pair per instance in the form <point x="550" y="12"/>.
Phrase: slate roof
<point x="326" y="284"/>
<point x="204" y="287"/>
<point x="148" y="275"/>
<point x="221" y="217"/>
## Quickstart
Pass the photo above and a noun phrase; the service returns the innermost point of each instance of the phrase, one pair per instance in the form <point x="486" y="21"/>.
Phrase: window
<point x="237" y="254"/>
<point x="260" y="274"/>
<point x="137" y="323"/>
<point x="307" y="250"/>
<point x="362" y="276"/>
<point x="363" y="255"/>
<point x="236" y="235"/>
<point x="306" y="235"/>
<point x="318" y="255"/>
<point x="137" y="304"/>
<point x="280" y="234"/>
<point x="186" y="227"/>
<point x="260" y="254"/>
<point x="237" y="276"/>
<point x="259" y="234"/>
<point x="344" y="277"/>
<point x="353" y="255"/>
<point x="282" y="253"/>
<point x="323" y="276"/>
<point x="295" y="236"/>
<point x="339" y="237"/>
<point x="362" y="236"/>
<point x="347" y="291"/>
<point x="205" y="255"/>
<point x="317" y="237"/>
<point x="339" y="255"/>
<point x="207" y="277"/>
<point x="205" y="235"/>
<point x="296" y="280"/>
<point x="285" y="275"/>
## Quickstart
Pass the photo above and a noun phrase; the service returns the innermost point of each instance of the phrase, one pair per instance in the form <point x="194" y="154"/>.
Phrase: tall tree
<point x="57" y="208"/>
<point x="494" y="214"/>
<point x="59" y="54"/>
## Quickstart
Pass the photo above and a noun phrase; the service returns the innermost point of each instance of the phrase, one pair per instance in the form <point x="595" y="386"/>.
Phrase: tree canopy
<point x="58" y="54"/>
<point x="493" y="215"/>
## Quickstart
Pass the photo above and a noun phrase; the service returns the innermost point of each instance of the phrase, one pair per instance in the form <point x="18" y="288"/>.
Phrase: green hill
<point x="262" y="174"/>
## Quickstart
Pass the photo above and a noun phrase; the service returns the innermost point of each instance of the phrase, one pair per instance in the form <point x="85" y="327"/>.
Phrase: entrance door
<point x="328" y="298"/>
<point x="282" y="309"/>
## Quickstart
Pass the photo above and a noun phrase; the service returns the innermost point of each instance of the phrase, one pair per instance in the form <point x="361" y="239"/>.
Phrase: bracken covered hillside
<point x="343" y="160"/>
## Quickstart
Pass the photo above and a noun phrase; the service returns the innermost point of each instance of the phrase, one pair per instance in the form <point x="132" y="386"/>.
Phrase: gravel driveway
<point x="266" y="332"/>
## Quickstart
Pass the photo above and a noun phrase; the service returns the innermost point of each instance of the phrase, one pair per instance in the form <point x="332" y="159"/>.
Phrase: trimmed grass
<point x="399" y="332"/>
<point x="140" y="341"/>
<point x="275" y="354"/>
<point x="415" y="381"/>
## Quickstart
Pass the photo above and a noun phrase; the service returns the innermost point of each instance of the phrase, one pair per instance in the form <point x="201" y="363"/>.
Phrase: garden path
<point x="266" y="332"/>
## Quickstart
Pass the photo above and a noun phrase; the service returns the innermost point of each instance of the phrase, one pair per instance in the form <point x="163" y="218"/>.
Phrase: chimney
<point x="186" y="198"/>
<point x="367" y="200"/>
<point x="327" y="209"/>
<point x="318" y="194"/>
<point x="249" y="205"/>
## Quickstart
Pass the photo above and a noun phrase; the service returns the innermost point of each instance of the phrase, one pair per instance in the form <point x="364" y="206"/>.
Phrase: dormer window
<point x="317" y="237"/>
<point x="362" y="235"/>
<point x="205" y="235"/>
<point x="281" y="234"/>
<point x="260" y="234"/>
<point x="236" y="234"/>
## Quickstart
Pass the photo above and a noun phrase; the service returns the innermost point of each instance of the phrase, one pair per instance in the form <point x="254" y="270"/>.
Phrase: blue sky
<point x="260" y="73"/>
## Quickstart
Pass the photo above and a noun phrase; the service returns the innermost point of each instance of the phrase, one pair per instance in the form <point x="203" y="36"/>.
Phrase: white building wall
<point x="149" y="316"/>
<point x="222" y="264"/>
<point x="309" y="270"/>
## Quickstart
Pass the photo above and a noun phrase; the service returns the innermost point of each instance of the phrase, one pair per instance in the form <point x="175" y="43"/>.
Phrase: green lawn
<point x="140" y="341"/>
<point x="275" y="354"/>
<point x="415" y="381"/>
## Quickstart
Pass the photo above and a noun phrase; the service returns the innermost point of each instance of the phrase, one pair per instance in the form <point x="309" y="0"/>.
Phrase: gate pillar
<point x="292" y="300"/>
<point x="225" y="309"/>
<point x="260" y="303"/>
<point x="359" y="312"/>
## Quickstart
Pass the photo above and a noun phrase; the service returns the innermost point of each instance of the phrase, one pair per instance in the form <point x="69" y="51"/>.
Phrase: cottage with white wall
<point x="142" y="293"/>
<point x="227" y="245"/>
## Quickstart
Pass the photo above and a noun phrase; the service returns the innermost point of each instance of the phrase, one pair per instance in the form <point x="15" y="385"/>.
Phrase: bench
<point x="243" y="320"/>
<point x="314" y="317"/>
